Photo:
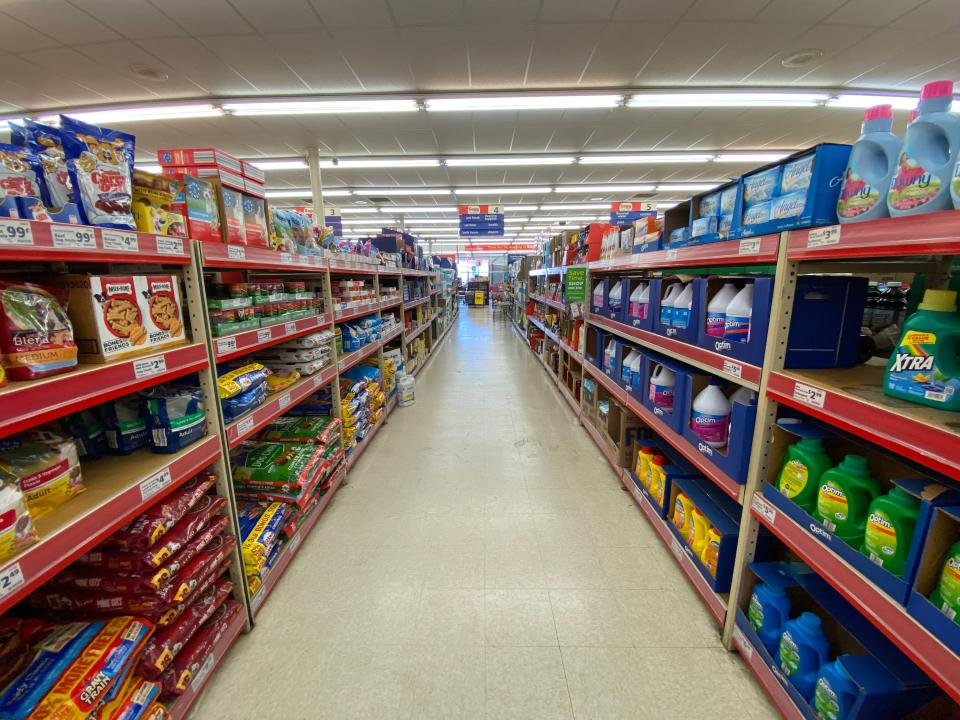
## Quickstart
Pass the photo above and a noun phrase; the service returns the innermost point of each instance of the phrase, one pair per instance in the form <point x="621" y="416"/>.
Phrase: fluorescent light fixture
<point x="435" y="221"/>
<point x="516" y="220"/>
<point x="315" y="107"/>
<point x="520" y="208"/>
<point x="137" y="114"/>
<point x="155" y="169"/>
<point x="575" y="206"/>
<point x="687" y="187"/>
<point x="401" y="191"/>
<point x="271" y="194"/>
<point x="522" y="102"/>
<point x="611" y="188"/>
<point x="646" y="159"/>
<point x="749" y="157"/>
<point x="279" y="164"/>
<point x="365" y="229"/>
<point x="5" y="124"/>
<point x="357" y="211"/>
<point x="335" y="192"/>
<point x="857" y="100"/>
<point x="358" y="164"/>
<point x="418" y="209"/>
<point x="510" y="160"/>
<point x="666" y="205"/>
<point x="756" y="98"/>
<point x="528" y="190"/>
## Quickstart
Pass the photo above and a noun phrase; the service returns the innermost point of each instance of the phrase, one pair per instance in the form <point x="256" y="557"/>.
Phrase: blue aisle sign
<point x="624" y="213"/>
<point x="481" y="221"/>
<point x="333" y="220"/>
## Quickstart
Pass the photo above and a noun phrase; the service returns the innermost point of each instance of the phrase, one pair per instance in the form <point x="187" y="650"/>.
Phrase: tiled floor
<point x="483" y="562"/>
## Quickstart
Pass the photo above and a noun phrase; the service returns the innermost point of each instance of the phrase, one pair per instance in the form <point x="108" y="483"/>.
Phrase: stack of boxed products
<point x="240" y="306"/>
<point x="349" y="294"/>
<point x="135" y="618"/>
<point x="279" y="478"/>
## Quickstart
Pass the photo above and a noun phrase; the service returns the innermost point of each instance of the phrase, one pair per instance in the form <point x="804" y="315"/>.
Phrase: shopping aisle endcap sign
<point x="481" y="220"/>
<point x="514" y="247"/>
<point x="575" y="286"/>
<point x="624" y="213"/>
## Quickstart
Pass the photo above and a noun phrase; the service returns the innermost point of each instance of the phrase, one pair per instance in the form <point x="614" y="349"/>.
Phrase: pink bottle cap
<point x="878" y="112"/>
<point x="913" y="115"/>
<point x="937" y="89"/>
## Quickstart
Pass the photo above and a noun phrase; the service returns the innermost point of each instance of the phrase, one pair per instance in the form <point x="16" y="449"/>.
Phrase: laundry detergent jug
<point x="835" y="692"/>
<point x="662" y="382"/>
<point x="666" y="304"/>
<point x="872" y="164"/>
<point x="804" y="464"/>
<point x="768" y="610"/>
<point x="844" y="497"/>
<point x="946" y="596"/>
<point x="802" y="652"/>
<point x="891" y="522"/>
<point x="639" y="302"/>
<point x="717" y="310"/>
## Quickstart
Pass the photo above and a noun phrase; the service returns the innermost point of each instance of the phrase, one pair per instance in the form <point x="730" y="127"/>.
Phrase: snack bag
<point x="16" y="526"/>
<point x="48" y="473"/>
<point x="19" y="176"/>
<point x="100" y="162"/>
<point x="45" y="142"/>
<point x="36" y="335"/>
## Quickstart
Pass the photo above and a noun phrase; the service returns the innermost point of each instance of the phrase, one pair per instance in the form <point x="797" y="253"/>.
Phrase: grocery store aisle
<point x="483" y="563"/>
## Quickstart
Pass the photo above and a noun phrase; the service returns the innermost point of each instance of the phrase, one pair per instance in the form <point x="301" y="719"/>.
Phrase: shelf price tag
<point x="264" y="335"/>
<point x="742" y="643"/>
<point x="286" y="258"/>
<point x="764" y="509"/>
<point x="809" y="395"/>
<point x="318" y="380"/>
<point x="295" y="542"/>
<point x="15" y="232"/>
<point x="245" y="426"/>
<point x="169" y="245"/>
<point x="289" y="328"/>
<point x="226" y="344"/>
<point x="236" y="252"/>
<point x="11" y="578"/>
<point x="824" y="236"/>
<point x="152" y="485"/>
<point x="732" y="368"/>
<point x="676" y="548"/>
<point x="201" y="676"/>
<point x="119" y="241"/>
<point x="145" y="367"/>
<point x="749" y="246"/>
<point x="74" y="236"/>
<point x="283" y="401"/>
<point x="672" y="254"/>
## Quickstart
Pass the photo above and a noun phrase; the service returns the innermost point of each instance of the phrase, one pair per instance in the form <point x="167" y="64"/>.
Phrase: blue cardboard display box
<point x="752" y="350"/>
<point x="653" y="305"/>
<point x="675" y="466"/>
<point x="719" y="203"/>
<point x="648" y="243"/>
<point x="676" y="218"/>
<point x="800" y="191"/>
<point x="613" y="309"/>
<point x="598" y="295"/>
<point x="672" y="418"/>
<point x="687" y="333"/>
<point x="889" y="684"/>
<point x="593" y="346"/>
<point x="825" y="326"/>
<point x="612" y="370"/>
<point x="943" y="531"/>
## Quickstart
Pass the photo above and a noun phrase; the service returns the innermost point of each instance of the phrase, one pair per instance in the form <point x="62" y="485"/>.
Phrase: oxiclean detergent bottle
<point x="803" y="650"/>
<point x="835" y="692"/>
<point x="870" y="169"/>
<point x="769" y="609"/>
<point x="925" y="167"/>
<point x="925" y="367"/>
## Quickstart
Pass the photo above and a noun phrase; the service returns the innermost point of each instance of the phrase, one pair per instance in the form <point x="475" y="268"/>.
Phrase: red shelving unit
<point x="761" y="249"/>
<point x="230" y="346"/>
<point x="415" y="303"/>
<point x="243" y="257"/>
<point x="348" y="361"/>
<point x="547" y="301"/>
<point x="930" y="234"/>
<point x="344" y="314"/>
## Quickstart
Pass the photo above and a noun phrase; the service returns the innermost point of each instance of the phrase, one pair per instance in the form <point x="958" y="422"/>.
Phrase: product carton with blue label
<point x="678" y="309"/>
<point x="825" y="323"/>
<point x="732" y="326"/>
<point x="643" y="302"/>
<point x="935" y="598"/>
<point x="656" y="464"/>
<point x="712" y="214"/>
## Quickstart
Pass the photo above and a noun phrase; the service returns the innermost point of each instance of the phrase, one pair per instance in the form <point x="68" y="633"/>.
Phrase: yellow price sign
<point x="478" y="298"/>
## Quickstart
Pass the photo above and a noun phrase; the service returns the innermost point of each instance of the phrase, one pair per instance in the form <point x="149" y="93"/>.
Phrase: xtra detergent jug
<point x="873" y="161"/>
<point x="710" y="419"/>
<point x="924" y="367"/>
<point x="717" y="310"/>
<point x="662" y="382"/>
<point x="891" y="521"/>
<point x="835" y="692"/>
<point x="682" y="306"/>
<point x="926" y="163"/>
<point x="804" y="464"/>
<point x="666" y="304"/>
<point x="736" y="326"/>
<point x="946" y="596"/>
<point x="626" y="367"/>
<point x="639" y="302"/>
<point x="844" y="497"/>
<point x="769" y="609"/>
<point x="802" y="652"/>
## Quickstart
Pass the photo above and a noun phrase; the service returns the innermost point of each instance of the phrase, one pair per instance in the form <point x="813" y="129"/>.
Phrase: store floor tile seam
<point x="425" y="593"/>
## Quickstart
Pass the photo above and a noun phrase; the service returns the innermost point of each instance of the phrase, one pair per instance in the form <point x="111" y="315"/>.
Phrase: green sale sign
<point x="575" y="290"/>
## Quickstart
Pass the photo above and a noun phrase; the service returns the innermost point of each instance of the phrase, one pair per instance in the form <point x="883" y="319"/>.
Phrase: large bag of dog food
<point x="36" y="336"/>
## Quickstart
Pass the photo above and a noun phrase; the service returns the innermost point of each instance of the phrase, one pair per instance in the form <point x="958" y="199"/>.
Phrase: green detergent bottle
<point x="844" y="498"/>
<point x="925" y="366"/>
<point x="891" y="520"/>
<point x="947" y="595"/>
<point x="803" y="466"/>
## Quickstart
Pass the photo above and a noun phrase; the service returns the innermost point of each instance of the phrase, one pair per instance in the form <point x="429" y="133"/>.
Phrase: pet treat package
<point x="36" y="335"/>
<point x="16" y="525"/>
<point x="153" y="200"/>
<point x="185" y="666"/>
<point x="46" y="144"/>
<point x="146" y="529"/>
<point x="163" y="316"/>
<point x="108" y="316"/>
<point x="125" y="425"/>
<point x="100" y="162"/>
<point x="19" y="177"/>
<point x="47" y="471"/>
<point x="132" y="700"/>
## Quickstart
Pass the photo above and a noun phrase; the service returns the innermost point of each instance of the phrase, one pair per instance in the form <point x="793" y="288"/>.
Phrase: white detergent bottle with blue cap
<point x="666" y="304"/>
<point x="626" y="367"/>
<point x="682" y="306"/>
<point x="736" y="326"/>
<point x="927" y="161"/>
<point x="717" y="309"/>
<point x="872" y="164"/>
<point x="609" y="355"/>
<point x="639" y="299"/>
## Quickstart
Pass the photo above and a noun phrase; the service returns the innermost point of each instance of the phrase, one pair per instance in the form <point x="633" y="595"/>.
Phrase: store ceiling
<point x="62" y="54"/>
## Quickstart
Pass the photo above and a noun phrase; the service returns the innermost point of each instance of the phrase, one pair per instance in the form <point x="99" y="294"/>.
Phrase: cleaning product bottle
<point x="639" y="301"/>
<point x="697" y="532"/>
<point x="656" y="478"/>
<point x="682" y="307"/>
<point x="711" y="551"/>
<point x="615" y="298"/>
<point x="744" y="396"/>
<point x="769" y="609"/>
<point x="682" y="510"/>
<point x="802" y="651"/>
<point x="929" y="154"/>
<point x="835" y="691"/>
<point x="643" y="460"/>
<point x="717" y="309"/>
<point x="662" y="382"/>
<point x="626" y="367"/>
<point x="736" y="325"/>
<point x="844" y="498"/>
<point x="666" y="304"/>
<point x="635" y="367"/>
<point x="710" y="419"/>
<point x="597" y="295"/>
<point x="891" y="521"/>
<point x="873" y="296"/>
<point x="873" y="161"/>
<point x="609" y="355"/>
<point x="946" y="596"/>
<point x="803" y="466"/>
<point x="924" y="368"/>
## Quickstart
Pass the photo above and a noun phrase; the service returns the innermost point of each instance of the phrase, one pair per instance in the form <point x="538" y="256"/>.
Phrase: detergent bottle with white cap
<point x="662" y="382"/>
<point x="736" y="326"/>
<point x="615" y="298"/>
<point x="717" y="309"/>
<point x="666" y="304"/>
<point x="626" y="367"/>
<point x="682" y="307"/>
<point x="639" y="302"/>
<point x="710" y="420"/>
<point x="609" y="355"/>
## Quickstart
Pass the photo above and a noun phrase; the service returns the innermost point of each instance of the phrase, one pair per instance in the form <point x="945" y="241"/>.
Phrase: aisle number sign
<point x="575" y="289"/>
<point x="624" y="213"/>
<point x="481" y="220"/>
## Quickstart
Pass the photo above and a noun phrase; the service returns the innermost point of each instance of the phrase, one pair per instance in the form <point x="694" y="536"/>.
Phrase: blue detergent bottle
<point x="835" y="692"/>
<point x="927" y="161"/>
<point x="803" y="651"/>
<point x="870" y="169"/>
<point x="769" y="609"/>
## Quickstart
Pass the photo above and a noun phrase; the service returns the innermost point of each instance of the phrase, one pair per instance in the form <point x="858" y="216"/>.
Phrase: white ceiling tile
<point x="873" y="12"/>
<point x="666" y="11"/>
<point x="490" y="12"/>
<point x="378" y="57"/>
<point x="807" y="12"/>
<point x="131" y="18"/>
<point x="278" y="16"/>
<point x="427" y="12"/>
<point x="939" y="14"/>
<point x="314" y="58"/>
<point x="44" y="83"/>
<point x="725" y="10"/>
<point x="116" y="57"/>
<point x="416" y="141"/>
<point x="255" y="60"/>
<point x="59" y="20"/>
<point x="618" y="57"/>
<point x="379" y="142"/>
<point x="209" y="17"/>
<point x="498" y="56"/>
<point x="744" y="52"/>
<point x="682" y="53"/>
<point x="577" y="10"/>
<point x="17" y="37"/>
<point x="560" y="54"/>
<point x="337" y="14"/>
<point x="196" y="62"/>
<point x="438" y="57"/>
<point x="832" y="39"/>
<point x="491" y="138"/>
<point x="84" y="71"/>
<point x="870" y="54"/>
<point x="933" y="59"/>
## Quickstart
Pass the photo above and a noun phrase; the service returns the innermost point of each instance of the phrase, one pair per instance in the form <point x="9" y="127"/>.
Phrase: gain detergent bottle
<point x="925" y="367"/>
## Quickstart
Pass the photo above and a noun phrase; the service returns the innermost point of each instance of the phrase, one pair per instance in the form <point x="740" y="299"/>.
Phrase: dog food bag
<point x="316" y="429"/>
<point x="175" y="416"/>
<point x="236" y="406"/>
<point x="169" y="614"/>
<point x="270" y="465"/>
<point x="87" y="432"/>
<point x="17" y="532"/>
<point x="293" y="355"/>
<point x="145" y="530"/>
<point x="36" y="335"/>
<point x="163" y="647"/>
<point x="132" y="701"/>
<point x="125" y="425"/>
<point x="260" y="526"/>
<point x="108" y="315"/>
<point x="46" y="144"/>
<point x="239" y="380"/>
<point x="47" y="473"/>
<point x="185" y="666"/>
<point x="156" y="712"/>
<point x="100" y="162"/>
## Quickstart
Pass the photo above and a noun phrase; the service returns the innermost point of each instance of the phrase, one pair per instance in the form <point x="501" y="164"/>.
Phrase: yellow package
<point x="281" y="380"/>
<point x="152" y="207"/>
<point x="16" y="526"/>
<point x="254" y="583"/>
<point x="234" y="382"/>
<point x="45" y="467"/>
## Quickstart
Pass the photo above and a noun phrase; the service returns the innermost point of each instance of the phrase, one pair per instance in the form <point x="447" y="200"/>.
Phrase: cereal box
<point x="107" y="315"/>
<point x="163" y="316"/>
<point x="255" y="222"/>
<point x="198" y="156"/>
<point x="231" y="215"/>
<point x="212" y="172"/>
